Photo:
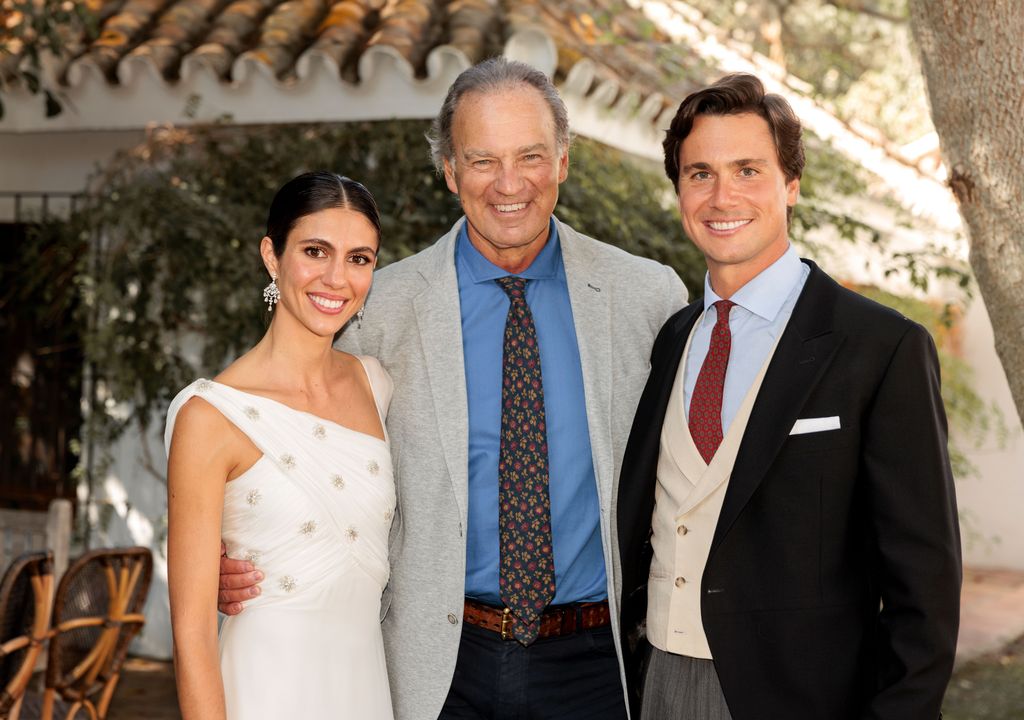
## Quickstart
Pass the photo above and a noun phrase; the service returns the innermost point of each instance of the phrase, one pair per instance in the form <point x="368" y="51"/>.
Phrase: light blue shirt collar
<point x="544" y="267"/>
<point x="766" y="293"/>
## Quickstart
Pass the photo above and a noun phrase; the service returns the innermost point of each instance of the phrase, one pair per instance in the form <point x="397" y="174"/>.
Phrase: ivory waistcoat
<point x="688" y="499"/>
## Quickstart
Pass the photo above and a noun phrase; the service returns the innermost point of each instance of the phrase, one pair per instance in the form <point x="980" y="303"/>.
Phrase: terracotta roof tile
<point x="123" y="31"/>
<point x="229" y="32"/>
<point x="176" y="32"/>
<point x="613" y="55"/>
<point x="343" y="33"/>
<point x="412" y="28"/>
<point x="287" y="31"/>
<point x="472" y="26"/>
<point x="621" y="51"/>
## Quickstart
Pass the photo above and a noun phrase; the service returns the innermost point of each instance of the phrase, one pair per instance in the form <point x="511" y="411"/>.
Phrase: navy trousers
<point x="573" y="677"/>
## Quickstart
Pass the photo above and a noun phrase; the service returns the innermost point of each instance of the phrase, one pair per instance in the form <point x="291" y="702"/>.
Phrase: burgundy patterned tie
<point x="527" y="575"/>
<point x="706" y="401"/>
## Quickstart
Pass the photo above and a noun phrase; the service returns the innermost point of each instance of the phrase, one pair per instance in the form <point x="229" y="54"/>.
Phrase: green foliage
<point x="829" y="181"/>
<point x="630" y="203"/>
<point x="828" y="178"/>
<point x="622" y="201"/>
<point x="172" y="286"/>
<point x="857" y="54"/>
<point x="177" y="226"/>
<point x="990" y="687"/>
<point x="30" y="29"/>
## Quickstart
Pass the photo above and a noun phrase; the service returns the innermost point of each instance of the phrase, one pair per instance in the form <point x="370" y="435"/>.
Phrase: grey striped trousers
<point x="677" y="687"/>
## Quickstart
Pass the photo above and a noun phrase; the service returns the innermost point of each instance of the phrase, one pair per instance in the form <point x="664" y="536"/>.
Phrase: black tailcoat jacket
<point x="833" y="583"/>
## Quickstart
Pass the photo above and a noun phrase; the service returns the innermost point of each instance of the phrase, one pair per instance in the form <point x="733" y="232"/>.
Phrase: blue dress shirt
<point x="575" y="514"/>
<point x="763" y="307"/>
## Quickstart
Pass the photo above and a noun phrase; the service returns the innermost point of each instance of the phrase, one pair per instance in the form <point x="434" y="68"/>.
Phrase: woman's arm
<point x="200" y="459"/>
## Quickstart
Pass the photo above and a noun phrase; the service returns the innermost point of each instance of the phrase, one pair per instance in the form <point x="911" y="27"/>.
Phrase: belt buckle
<point x="506" y="624"/>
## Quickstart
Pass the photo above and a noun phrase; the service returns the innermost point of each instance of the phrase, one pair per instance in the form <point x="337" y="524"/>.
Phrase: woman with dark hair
<point x="285" y="456"/>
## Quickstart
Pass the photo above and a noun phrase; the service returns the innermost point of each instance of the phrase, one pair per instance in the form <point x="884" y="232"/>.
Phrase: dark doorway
<point x="40" y="365"/>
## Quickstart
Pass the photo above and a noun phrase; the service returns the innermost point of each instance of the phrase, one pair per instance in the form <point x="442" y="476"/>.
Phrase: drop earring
<point x="359" y="317"/>
<point x="271" y="293"/>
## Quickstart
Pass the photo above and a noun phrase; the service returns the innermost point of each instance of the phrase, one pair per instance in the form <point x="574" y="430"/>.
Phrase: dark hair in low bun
<point x="312" y="192"/>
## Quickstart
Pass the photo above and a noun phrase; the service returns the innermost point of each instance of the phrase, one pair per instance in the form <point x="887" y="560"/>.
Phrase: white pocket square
<point x="813" y="425"/>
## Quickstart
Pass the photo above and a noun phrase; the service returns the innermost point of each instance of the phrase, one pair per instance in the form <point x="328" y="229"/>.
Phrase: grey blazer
<point x="413" y="325"/>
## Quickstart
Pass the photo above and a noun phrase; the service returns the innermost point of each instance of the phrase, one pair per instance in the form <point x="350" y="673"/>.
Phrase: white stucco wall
<point x="63" y="162"/>
<point x="55" y="162"/>
<point x="138" y="509"/>
<point x="992" y="501"/>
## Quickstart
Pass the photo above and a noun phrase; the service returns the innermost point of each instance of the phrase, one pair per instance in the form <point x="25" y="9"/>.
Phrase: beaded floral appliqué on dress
<point x="314" y="519"/>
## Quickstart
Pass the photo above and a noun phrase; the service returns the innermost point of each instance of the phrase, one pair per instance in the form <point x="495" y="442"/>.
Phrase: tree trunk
<point x="972" y="55"/>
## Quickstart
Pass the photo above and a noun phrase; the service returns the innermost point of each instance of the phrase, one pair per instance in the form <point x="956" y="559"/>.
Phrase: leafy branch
<point x="169" y="277"/>
<point x="32" y="29"/>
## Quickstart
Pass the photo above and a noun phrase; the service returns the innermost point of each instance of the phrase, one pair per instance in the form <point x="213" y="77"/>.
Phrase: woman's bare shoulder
<point x="199" y="422"/>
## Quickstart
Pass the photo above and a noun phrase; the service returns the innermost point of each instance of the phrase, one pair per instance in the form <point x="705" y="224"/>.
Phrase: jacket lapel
<point x="667" y="366"/>
<point x="641" y="459"/>
<point x="592" y="318"/>
<point x="438" y="320"/>
<point x="805" y="349"/>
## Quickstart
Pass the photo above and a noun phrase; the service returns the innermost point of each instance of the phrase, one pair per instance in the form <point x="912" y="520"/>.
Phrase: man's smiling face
<point x="733" y="197"/>
<point x="506" y="170"/>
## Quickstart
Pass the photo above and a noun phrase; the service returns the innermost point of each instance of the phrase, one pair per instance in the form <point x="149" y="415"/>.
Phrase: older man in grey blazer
<point x="467" y="637"/>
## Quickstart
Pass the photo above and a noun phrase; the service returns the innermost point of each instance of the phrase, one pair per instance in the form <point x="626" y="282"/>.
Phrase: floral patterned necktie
<point x="527" y="565"/>
<point x="706" y="401"/>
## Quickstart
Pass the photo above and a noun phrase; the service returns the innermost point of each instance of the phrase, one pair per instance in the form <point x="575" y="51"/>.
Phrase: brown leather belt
<point x="556" y="621"/>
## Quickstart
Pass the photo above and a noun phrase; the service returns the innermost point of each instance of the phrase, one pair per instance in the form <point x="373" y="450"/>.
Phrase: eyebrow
<point x="742" y="162"/>
<point x="330" y="246"/>
<point x="364" y="249"/>
<point x="471" y="153"/>
<point x="317" y="241"/>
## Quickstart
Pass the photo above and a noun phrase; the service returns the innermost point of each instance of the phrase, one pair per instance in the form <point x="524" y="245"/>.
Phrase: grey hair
<point x="493" y="75"/>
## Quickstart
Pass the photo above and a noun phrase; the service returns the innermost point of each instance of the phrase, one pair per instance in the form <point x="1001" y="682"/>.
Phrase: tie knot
<point x="514" y="287"/>
<point x="723" y="307"/>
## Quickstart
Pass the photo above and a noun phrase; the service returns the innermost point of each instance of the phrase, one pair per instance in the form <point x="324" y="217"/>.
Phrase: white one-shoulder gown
<point x="313" y="514"/>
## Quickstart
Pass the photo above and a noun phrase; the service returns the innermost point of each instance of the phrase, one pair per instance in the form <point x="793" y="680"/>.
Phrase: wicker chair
<point x="97" y="612"/>
<point x="26" y="599"/>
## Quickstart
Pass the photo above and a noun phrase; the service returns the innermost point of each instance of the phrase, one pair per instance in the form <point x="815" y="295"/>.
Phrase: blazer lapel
<point x="438" y="320"/>
<point x="805" y="349"/>
<point x="592" y="318"/>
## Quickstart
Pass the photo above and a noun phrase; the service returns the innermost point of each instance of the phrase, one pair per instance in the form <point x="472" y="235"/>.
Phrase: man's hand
<point x="238" y="582"/>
